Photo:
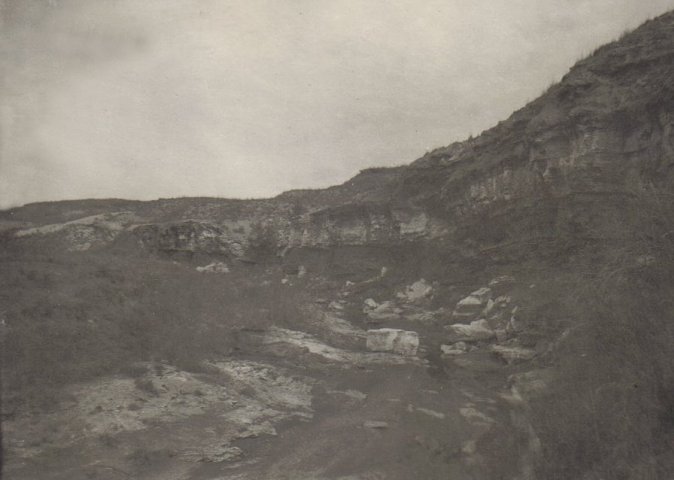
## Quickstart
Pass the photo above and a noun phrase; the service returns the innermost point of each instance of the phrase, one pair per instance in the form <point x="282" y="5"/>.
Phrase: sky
<point x="146" y="99"/>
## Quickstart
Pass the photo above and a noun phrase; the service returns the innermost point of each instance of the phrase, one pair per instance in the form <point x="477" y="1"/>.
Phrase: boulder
<point x="337" y="305"/>
<point x="512" y="354"/>
<point x="473" y="305"/>
<point x="392" y="340"/>
<point x="475" y="331"/>
<point x="458" y="348"/>
<point x="384" y="311"/>
<point x="417" y="292"/>
<point x="301" y="271"/>
<point x="370" y="304"/>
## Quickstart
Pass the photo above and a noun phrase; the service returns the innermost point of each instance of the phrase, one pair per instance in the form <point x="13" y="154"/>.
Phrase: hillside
<point x="530" y="269"/>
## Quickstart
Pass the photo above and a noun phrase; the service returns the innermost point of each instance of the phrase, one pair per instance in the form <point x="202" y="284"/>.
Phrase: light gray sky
<point x="246" y="98"/>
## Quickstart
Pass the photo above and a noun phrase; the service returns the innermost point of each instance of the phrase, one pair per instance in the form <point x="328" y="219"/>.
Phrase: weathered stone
<point x="337" y="305"/>
<point x="459" y="348"/>
<point x="430" y="413"/>
<point x="473" y="305"/>
<point x="417" y="292"/>
<point x="476" y="331"/>
<point x="422" y="317"/>
<point x="489" y="307"/>
<point x="215" y="267"/>
<point x="512" y="354"/>
<point x="370" y="304"/>
<point x="385" y="311"/>
<point x="393" y="340"/>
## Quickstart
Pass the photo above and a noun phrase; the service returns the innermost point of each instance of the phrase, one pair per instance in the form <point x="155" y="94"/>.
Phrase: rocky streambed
<point x="292" y="404"/>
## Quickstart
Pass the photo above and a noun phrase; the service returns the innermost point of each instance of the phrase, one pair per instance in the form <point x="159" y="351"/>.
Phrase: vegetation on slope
<point x="608" y="411"/>
<point x="72" y="317"/>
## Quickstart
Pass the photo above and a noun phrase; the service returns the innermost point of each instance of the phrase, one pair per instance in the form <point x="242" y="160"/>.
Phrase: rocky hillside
<point x="601" y="135"/>
<point x="499" y="308"/>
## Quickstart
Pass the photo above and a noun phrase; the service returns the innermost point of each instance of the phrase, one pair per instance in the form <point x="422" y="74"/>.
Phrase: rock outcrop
<point x="565" y="166"/>
<point x="393" y="340"/>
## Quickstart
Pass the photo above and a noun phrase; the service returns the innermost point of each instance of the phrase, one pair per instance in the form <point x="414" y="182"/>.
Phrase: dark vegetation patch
<point x="607" y="413"/>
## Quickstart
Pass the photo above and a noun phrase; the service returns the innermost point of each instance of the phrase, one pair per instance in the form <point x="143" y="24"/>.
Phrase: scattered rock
<point x="384" y="311"/>
<point x="475" y="416"/>
<point x="301" y="271"/>
<point x="417" y="292"/>
<point x="476" y="331"/>
<point x="280" y="336"/>
<point x="473" y="304"/>
<point x="458" y="348"/>
<point x="215" y="267"/>
<point x="512" y="354"/>
<point x="337" y="305"/>
<point x="393" y="340"/>
<point x="212" y="454"/>
<point x="355" y="394"/>
<point x="489" y="307"/>
<point x="431" y="413"/>
<point x="370" y="304"/>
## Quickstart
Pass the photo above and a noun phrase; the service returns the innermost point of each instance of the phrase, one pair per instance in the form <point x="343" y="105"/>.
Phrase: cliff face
<point x="604" y="133"/>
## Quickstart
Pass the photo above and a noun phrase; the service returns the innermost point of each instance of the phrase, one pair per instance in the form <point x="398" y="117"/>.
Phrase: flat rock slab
<point x="393" y="340"/>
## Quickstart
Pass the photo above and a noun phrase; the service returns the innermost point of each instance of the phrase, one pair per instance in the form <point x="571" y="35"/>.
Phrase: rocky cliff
<point x="565" y="164"/>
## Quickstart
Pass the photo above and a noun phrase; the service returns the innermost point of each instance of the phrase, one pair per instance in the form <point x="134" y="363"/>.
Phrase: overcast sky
<point x="163" y="98"/>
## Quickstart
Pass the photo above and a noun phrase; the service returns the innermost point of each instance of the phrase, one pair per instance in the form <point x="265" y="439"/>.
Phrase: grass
<point x="74" y="317"/>
<point x="609" y="412"/>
